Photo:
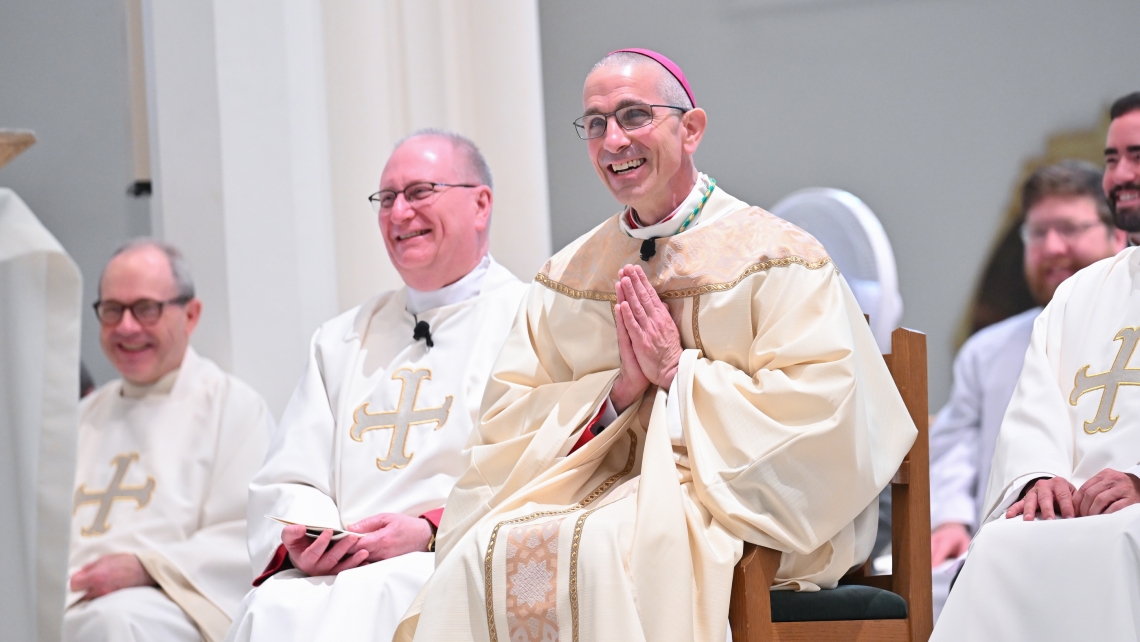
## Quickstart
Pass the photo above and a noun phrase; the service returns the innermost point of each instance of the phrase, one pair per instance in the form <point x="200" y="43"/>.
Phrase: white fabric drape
<point x="40" y="293"/>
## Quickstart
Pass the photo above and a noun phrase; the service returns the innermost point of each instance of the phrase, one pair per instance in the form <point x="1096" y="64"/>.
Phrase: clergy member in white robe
<point x="373" y="438"/>
<point x="1066" y="225"/>
<point x="40" y="294"/>
<point x="628" y="446"/>
<point x="1058" y="557"/>
<point x="165" y="456"/>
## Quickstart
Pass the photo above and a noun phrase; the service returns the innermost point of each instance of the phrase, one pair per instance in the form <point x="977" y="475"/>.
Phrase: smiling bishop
<point x="165" y="456"/>
<point x="375" y="435"/>
<point x="691" y="374"/>
<point x="1058" y="556"/>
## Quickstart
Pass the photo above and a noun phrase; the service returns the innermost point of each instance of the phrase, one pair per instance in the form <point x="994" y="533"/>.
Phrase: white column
<point x="395" y="66"/>
<point x="236" y="101"/>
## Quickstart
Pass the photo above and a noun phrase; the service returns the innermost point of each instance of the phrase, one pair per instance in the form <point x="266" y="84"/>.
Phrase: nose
<point x="616" y="138"/>
<point x="401" y="210"/>
<point x="128" y="324"/>
<point x="1053" y="243"/>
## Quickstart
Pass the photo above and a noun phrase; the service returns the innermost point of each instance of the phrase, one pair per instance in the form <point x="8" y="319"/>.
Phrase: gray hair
<point x="670" y="89"/>
<point x="179" y="268"/>
<point x="476" y="164"/>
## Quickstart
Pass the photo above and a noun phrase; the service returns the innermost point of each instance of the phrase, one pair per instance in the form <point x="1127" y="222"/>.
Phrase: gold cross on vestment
<point x="115" y="490"/>
<point x="399" y="420"/>
<point x="1119" y="375"/>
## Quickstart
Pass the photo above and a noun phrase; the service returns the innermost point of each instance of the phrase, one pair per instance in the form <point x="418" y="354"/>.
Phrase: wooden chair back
<point x="750" y="612"/>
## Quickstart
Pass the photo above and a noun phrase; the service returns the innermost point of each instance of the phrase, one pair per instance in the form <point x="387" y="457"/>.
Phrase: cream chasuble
<point x="789" y="426"/>
<point x="378" y="424"/>
<point x="40" y="290"/>
<point x="1075" y="412"/>
<point x="163" y="473"/>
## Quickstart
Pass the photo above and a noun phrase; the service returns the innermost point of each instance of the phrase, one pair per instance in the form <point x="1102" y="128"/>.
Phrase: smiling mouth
<point x="133" y="348"/>
<point x="1128" y="197"/>
<point x="621" y="168"/>
<point x="412" y="235"/>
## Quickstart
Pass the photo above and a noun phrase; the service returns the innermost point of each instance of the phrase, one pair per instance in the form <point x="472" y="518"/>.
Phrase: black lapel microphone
<point x="422" y="331"/>
<point x="648" y="249"/>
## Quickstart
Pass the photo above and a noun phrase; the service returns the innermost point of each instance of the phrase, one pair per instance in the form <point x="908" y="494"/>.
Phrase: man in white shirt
<point x="165" y="455"/>
<point x="1066" y="226"/>
<point x="374" y="436"/>
<point x="1057" y="558"/>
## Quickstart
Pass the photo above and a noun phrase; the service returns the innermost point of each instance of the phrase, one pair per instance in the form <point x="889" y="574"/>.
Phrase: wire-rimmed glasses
<point x="386" y="198"/>
<point x="628" y="117"/>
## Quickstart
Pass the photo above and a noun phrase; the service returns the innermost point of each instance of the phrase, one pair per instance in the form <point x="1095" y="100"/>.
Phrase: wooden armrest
<point x="750" y="607"/>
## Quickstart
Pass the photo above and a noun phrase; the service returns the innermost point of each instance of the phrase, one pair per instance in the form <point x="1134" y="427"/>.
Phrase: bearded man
<point x="1057" y="558"/>
<point x="691" y="374"/>
<point x="373" y="439"/>
<point x="1066" y="225"/>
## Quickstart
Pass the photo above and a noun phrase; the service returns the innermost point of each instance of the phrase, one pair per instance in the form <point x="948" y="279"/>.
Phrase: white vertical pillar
<point x="240" y="160"/>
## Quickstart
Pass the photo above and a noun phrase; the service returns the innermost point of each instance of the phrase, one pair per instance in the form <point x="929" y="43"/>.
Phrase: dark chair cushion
<point x="845" y="602"/>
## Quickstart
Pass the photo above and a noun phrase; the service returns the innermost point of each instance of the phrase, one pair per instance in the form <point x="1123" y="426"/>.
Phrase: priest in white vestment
<point x="691" y="374"/>
<point x="1058" y="558"/>
<point x="373" y="438"/>
<point x="165" y="456"/>
<point x="40" y="295"/>
<point x="1066" y="225"/>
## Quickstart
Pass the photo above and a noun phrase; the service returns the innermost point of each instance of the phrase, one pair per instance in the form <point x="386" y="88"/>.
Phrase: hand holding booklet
<point x="315" y="530"/>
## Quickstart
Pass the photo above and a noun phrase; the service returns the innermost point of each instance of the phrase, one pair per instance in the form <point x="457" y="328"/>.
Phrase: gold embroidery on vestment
<point x="115" y="490"/>
<point x="1118" y="375"/>
<point x="532" y="581"/>
<point x="595" y="295"/>
<point x="401" y="419"/>
<point x="587" y="500"/>
<point x="696" y="323"/>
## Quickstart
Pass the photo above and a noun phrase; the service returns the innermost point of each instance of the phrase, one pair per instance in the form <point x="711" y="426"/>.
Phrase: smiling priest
<point x="1059" y="556"/>
<point x="165" y="458"/>
<point x="373" y="439"/>
<point x="691" y="374"/>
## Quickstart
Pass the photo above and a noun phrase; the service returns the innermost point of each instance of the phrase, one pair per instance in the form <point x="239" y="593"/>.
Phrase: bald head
<point x="668" y="87"/>
<point x="469" y="161"/>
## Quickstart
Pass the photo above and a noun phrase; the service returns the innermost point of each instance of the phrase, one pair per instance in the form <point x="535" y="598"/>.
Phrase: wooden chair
<point x="750" y="611"/>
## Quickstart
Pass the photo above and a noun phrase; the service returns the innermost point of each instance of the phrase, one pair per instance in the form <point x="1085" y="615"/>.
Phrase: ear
<point x="693" y="124"/>
<point x="483" y="202"/>
<point x="193" y="310"/>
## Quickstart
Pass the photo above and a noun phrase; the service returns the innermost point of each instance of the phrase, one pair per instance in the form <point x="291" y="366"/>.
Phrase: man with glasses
<point x="690" y="374"/>
<point x="1056" y="558"/>
<point x="1066" y="226"/>
<point x="165" y="456"/>
<point x="374" y="436"/>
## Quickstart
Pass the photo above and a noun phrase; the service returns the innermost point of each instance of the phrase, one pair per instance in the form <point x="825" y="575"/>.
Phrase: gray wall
<point x="924" y="109"/>
<point x="63" y="73"/>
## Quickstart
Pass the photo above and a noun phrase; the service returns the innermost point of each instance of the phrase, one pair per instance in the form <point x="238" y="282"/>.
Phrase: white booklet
<point x="315" y="530"/>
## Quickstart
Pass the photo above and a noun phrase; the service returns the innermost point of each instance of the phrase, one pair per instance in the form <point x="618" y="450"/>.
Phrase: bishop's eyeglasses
<point x="145" y="311"/>
<point x="628" y="117"/>
<point x="386" y="198"/>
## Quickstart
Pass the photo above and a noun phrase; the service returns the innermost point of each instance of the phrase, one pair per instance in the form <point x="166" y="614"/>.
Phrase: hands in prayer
<point x="1105" y="492"/>
<point x="385" y="535"/>
<point x="947" y="542"/>
<point x="648" y="340"/>
<point x="109" y="574"/>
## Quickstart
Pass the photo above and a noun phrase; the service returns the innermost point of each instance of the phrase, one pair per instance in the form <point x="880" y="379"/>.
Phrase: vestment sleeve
<point x="954" y="442"/>
<point x="295" y="482"/>
<point x="793" y="436"/>
<point x="1036" y="439"/>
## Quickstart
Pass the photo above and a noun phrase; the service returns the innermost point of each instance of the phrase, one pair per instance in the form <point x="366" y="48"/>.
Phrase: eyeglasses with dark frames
<point x="628" y="118"/>
<point x="386" y="198"/>
<point x="145" y="311"/>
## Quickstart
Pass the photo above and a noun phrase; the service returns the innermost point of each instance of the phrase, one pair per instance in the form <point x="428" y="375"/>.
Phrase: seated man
<point x="165" y="457"/>
<point x="1069" y="454"/>
<point x="741" y="393"/>
<point x="1066" y="226"/>
<point x="373" y="439"/>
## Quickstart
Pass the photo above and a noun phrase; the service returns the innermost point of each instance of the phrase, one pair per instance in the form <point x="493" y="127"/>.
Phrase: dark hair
<point x="1066" y="178"/>
<point x="1124" y="105"/>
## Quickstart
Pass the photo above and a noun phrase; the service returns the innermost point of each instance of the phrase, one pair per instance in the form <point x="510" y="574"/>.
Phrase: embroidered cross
<point x="115" y="491"/>
<point x="1110" y="382"/>
<point x="399" y="420"/>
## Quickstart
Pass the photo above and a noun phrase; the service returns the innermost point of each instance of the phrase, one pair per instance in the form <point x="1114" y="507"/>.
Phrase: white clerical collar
<point x="466" y="288"/>
<point x="163" y="386"/>
<point x="671" y="224"/>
